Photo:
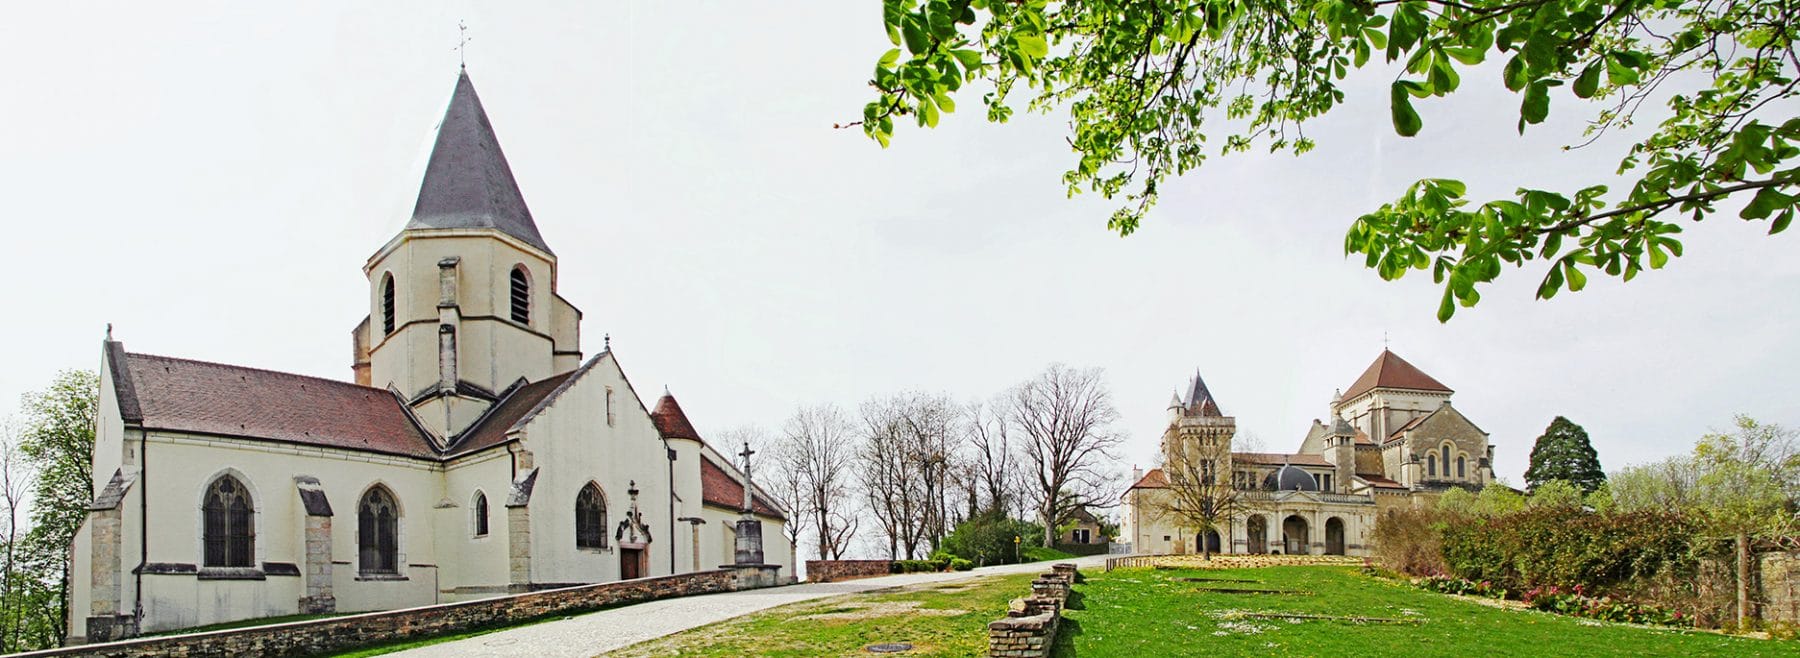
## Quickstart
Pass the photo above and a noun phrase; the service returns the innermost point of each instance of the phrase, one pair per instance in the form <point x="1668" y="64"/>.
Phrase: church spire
<point x="467" y="182"/>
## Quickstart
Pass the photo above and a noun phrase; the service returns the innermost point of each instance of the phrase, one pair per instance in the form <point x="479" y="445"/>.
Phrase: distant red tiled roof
<point x="720" y="488"/>
<point x="1363" y="438"/>
<point x="211" y="398"/>
<point x="1277" y="459"/>
<point x="1380" y="482"/>
<point x="671" y="422"/>
<point x="1152" y="480"/>
<point x="1391" y="371"/>
<point x="491" y="429"/>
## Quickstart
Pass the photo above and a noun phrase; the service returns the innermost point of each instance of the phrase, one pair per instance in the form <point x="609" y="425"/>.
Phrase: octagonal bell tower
<point x="463" y="303"/>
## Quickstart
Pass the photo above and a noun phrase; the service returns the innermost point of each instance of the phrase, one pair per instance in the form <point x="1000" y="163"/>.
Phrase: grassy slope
<point x="843" y="625"/>
<point x="1142" y="612"/>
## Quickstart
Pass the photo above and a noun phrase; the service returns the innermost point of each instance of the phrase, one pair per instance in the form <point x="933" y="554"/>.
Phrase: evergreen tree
<point x="1563" y="453"/>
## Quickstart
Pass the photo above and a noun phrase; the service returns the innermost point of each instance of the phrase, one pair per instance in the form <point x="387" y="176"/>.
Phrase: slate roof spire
<point x="467" y="182"/>
<point x="1200" y="399"/>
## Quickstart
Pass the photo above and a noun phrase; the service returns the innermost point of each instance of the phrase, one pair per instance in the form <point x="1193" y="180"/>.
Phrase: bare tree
<point x="1065" y="417"/>
<point x="993" y="462"/>
<point x="1202" y="494"/>
<point x="823" y="458"/>
<point x="905" y="466"/>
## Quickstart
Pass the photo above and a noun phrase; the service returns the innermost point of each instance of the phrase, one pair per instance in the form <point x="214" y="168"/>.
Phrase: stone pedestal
<point x="749" y="541"/>
<point x="753" y="576"/>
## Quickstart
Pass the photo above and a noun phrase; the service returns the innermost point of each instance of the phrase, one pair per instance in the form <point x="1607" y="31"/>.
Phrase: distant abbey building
<point x="1393" y="439"/>
<point x="476" y="454"/>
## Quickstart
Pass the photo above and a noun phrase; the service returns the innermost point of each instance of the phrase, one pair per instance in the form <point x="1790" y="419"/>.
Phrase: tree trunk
<point x="1743" y="579"/>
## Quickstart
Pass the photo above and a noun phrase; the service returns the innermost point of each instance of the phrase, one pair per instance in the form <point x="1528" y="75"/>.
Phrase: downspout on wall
<point x="137" y="607"/>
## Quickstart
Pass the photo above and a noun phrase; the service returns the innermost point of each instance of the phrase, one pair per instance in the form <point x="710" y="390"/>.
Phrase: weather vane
<point x="462" y="44"/>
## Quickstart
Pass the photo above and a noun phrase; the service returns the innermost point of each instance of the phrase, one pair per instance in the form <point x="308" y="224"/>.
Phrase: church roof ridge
<point x="467" y="181"/>
<point x="266" y="371"/>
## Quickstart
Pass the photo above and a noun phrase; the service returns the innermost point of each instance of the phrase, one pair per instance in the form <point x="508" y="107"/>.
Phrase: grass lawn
<point x="943" y="619"/>
<point x="1150" y="612"/>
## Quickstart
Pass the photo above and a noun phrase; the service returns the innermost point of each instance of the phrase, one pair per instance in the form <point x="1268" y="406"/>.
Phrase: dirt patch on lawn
<point x="880" y="609"/>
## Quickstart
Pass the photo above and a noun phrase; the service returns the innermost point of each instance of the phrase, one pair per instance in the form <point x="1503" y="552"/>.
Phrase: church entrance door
<point x="1258" y="529"/>
<point x="1207" y="543"/>
<point x="631" y="563"/>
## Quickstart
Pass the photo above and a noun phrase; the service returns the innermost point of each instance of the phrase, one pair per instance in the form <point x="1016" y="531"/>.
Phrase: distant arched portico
<point x="1256" y="528"/>
<point x="1294" y="540"/>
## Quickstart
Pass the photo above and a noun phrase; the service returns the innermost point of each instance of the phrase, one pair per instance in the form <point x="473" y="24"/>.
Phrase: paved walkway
<point x="598" y="632"/>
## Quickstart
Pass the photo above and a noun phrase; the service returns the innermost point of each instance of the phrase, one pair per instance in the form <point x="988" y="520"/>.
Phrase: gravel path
<point x="599" y="632"/>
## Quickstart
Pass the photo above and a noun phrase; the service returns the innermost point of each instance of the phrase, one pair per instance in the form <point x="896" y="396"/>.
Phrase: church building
<point x="1393" y="439"/>
<point x="479" y="450"/>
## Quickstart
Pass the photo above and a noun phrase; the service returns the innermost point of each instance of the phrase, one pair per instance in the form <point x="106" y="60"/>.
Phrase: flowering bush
<point x="1574" y="601"/>
<point x="1450" y="585"/>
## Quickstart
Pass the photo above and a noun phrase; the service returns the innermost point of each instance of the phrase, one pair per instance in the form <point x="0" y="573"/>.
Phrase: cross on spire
<point x="462" y="44"/>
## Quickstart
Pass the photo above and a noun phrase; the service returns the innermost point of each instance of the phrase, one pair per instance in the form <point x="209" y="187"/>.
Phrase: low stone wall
<point x="1131" y="561"/>
<point x="337" y="634"/>
<point x="827" y="571"/>
<point x="1029" y="628"/>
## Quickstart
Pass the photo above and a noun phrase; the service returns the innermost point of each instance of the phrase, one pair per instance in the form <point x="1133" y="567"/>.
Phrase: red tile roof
<point x="490" y="430"/>
<point x="1152" y="480"/>
<point x="671" y="421"/>
<point x="1380" y="482"/>
<point x="717" y="487"/>
<point x="211" y="398"/>
<point x="1363" y="438"/>
<point x="1277" y="459"/>
<point x="1391" y="371"/>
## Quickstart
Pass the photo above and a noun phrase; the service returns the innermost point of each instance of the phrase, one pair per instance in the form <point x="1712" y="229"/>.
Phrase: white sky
<point x="211" y="176"/>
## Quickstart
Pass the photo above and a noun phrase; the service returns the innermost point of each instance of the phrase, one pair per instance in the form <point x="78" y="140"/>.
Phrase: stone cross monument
<point x="749" y="530"/>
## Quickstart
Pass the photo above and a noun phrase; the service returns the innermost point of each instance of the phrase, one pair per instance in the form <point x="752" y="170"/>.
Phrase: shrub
<point x="1448" y="585"/>
<point x="1410" y="541"/>
<point x="988" y="539"/>
<point x="918" y="566"/>
<point x="1576" y="602"/>
<point x="1567" y="547"/>
<point x="959" y="564"/>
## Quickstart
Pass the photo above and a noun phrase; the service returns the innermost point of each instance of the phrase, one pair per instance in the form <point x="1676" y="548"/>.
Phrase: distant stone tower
<point x="1198" y="419"/>
<point x="463" y="303"/>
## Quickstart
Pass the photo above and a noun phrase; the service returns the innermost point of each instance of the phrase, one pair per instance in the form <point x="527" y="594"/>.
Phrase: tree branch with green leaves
<point x="1144" y="82"/>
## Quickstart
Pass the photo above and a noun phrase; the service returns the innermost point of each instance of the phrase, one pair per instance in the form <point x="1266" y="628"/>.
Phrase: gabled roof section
<point x="1154" y="479"/>
<point x="211" y="398"/>
<point x="467" y="182"/>
<point x="670" y="421"/>
<point x="492" y="428"/>
<point x="722" y="489"/>
<point x="1391" y="371"/>
<point x="1200" y="399"/>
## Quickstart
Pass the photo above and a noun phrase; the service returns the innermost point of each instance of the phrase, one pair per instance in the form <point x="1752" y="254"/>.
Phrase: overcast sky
<point x="211" y="177"/>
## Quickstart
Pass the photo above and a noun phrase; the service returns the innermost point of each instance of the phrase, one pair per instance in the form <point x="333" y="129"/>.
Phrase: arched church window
<point x="1446" y="462"/>
<point x="481" y="514"/>
<point x="378" y="532"/>
<point x="590" y="517"/>
<point x="1461" y="470"/>
<point x="387" y="304"/>
<point x="1430" y="466"/>
<point x="229" y="530"/>
<point x="521" y="296"/>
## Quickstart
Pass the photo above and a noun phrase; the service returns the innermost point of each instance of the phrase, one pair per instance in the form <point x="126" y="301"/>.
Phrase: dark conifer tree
<point x="1563" y="453"/>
